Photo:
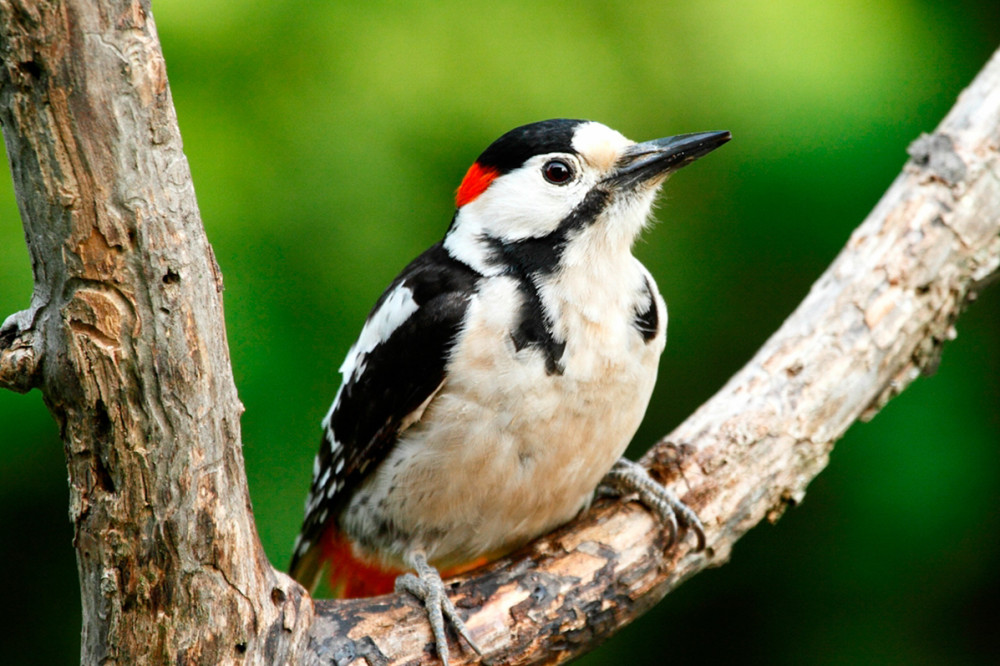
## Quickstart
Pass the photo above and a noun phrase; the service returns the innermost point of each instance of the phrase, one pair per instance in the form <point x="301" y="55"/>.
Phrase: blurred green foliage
<point x="326" y="140"/>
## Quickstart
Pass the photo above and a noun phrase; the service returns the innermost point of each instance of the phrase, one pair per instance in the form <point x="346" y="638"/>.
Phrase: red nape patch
<point x="476" y="180"/>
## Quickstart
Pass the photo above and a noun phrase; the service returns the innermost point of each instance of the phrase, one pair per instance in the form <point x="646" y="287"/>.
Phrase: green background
<point x="326" y="142"/>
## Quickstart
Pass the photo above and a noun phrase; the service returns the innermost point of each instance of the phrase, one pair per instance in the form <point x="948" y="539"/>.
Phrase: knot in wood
<point x="935" y="154"/>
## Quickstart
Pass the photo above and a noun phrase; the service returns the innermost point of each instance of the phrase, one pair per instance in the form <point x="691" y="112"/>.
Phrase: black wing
<point x="647" y="321"/>
<point x="395" y="366"/>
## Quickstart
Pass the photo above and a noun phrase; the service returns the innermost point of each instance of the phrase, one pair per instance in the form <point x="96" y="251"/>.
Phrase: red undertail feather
<point x="352" y="577"/>
<point x="476" y="180"/>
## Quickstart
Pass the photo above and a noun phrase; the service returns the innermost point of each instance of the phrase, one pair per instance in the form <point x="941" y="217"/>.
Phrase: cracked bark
<point x="124" y="336"/>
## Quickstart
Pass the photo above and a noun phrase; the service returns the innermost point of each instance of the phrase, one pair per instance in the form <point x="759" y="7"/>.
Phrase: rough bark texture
<point x="125" y="338"/>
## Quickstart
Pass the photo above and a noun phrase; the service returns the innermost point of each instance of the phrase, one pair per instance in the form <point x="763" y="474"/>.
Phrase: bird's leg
<point x="627" y="477"/>
<point x="428" y="587"/>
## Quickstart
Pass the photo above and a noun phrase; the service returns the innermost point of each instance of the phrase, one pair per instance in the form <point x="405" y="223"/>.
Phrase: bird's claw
<point x="627" y="477"/>
<point x="427" y="586"/>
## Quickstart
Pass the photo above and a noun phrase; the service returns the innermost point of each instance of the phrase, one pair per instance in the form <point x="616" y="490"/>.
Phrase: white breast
<point x="506" y="452"/>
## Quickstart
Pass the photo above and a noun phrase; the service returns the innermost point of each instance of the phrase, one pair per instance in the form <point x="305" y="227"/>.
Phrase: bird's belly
<point x="508" y="452"/>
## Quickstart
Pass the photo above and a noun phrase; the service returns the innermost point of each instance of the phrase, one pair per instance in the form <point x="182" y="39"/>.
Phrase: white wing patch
<point x="395" y="310"/>
<point x="397" y="307"/>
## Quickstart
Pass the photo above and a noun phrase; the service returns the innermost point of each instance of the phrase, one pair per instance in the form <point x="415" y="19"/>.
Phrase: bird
<point x="499" y="378"/>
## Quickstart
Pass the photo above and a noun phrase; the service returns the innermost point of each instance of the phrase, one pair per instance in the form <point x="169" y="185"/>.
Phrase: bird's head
<point x="544" y="183"/>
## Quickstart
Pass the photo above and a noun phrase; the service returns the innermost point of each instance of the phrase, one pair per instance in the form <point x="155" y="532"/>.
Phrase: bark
<point x="125" y="338"/>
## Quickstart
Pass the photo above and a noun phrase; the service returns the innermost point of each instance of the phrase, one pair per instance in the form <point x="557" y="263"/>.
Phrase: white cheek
<point x="522" y="205"/>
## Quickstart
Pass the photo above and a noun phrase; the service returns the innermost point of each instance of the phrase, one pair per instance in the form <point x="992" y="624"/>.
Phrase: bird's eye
<point x="557" y="172"/>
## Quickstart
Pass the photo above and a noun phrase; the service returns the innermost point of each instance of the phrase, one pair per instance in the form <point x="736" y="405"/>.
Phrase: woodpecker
<point x="500" y="377"/>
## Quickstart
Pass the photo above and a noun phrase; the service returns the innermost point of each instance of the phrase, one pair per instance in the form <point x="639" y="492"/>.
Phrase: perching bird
<point x="500" y="377"/>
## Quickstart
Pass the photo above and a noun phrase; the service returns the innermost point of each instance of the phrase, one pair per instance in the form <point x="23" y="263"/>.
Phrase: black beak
<point x="658" y="158"/>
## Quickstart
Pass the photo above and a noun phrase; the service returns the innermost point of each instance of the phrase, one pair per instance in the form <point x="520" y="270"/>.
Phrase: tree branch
<point x="125" y="338"/>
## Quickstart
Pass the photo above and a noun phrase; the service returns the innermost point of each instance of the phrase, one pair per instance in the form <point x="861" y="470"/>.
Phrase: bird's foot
<point x="627" y="477"/>
<point x="427" y="586"/>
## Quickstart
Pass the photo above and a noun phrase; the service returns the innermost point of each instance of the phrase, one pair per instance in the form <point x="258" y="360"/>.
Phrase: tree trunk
<point x="125" y="338"/>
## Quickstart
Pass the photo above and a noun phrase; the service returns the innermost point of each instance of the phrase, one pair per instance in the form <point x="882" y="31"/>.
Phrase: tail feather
<point x="307" y="567"/>
<point x="349" y="576"/>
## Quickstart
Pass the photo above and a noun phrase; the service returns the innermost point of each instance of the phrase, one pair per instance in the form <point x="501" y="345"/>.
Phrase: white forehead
<point x="599" y="144"/>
